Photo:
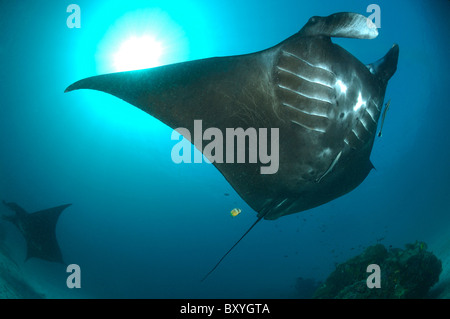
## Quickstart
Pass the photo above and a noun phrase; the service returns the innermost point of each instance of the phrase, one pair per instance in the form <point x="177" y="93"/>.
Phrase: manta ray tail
<point x="229" y="250"/>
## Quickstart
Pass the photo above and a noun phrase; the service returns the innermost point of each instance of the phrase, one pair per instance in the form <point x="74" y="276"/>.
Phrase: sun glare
<point x="138" y="53"/>
<point x="140" y="39"/>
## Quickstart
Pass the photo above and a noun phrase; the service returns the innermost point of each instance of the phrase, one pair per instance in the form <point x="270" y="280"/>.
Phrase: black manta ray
<point x="325" y="103"/>
<point x="39" y="231"/>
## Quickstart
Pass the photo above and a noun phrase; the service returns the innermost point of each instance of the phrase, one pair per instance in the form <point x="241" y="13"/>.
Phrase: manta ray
<point x="324" y="101"/>
<point x="39" y="231"/>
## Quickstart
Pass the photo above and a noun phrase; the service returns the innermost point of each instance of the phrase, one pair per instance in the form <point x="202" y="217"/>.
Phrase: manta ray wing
<point x="221" y="92"/>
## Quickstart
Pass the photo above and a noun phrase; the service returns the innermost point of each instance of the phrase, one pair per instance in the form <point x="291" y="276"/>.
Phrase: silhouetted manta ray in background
<point x="325" y="102"/>
<point x="39" y="231"/>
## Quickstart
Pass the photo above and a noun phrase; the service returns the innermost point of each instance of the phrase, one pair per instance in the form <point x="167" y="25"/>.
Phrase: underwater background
<point x="142" y="226"/>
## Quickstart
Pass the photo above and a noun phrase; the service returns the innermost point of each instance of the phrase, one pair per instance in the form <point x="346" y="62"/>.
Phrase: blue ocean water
<point x="142" y="226"/>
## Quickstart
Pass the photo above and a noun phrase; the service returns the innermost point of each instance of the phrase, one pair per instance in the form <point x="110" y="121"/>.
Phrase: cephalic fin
<point x="341" y="25"/>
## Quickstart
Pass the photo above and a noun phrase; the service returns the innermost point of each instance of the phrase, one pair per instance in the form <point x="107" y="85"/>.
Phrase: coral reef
<point x="404" y="273"/>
